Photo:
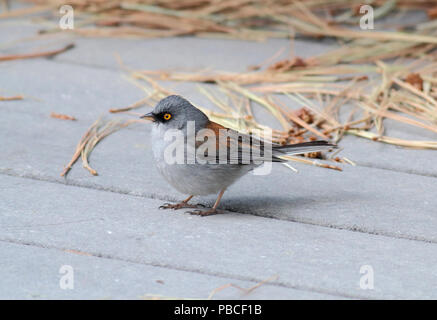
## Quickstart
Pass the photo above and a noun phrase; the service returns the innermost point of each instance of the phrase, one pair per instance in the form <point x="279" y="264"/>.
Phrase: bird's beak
<point x="149" y="116"/>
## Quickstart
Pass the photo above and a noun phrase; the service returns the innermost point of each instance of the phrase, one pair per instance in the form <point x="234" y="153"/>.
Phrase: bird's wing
<point x="240" y="148"/>
<point x="225" y="145"/>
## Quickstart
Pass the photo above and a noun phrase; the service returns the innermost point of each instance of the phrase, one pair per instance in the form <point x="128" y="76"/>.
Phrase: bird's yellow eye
<point x="167" y="116"/>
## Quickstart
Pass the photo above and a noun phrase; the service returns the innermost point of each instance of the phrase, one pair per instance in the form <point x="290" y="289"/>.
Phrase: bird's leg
<point x="183" y="204"/>
<point x="211" y="211"/>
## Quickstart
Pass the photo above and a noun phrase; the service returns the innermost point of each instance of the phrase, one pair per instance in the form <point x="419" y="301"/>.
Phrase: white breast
<point x="193" y="179"/>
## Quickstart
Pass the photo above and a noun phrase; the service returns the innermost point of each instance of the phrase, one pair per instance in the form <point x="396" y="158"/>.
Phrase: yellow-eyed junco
<point x="216" y="156"/>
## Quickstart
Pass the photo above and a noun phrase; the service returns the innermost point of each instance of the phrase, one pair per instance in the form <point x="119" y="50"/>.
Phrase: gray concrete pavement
<point x="232" y="245"/>
<point x="35" y="274"/>
<point x="314" y="230"/>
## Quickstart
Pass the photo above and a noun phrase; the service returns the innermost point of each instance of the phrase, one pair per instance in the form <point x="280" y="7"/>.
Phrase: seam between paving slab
<point x="14" y="173"/>
<point x="197" y="271"/>
<point x="407" y="171"/>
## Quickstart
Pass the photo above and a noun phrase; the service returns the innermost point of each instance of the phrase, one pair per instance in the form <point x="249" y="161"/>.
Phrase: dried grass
<point x="32" y="55"/>
<point x="244" y="291"/>
<point x="96" y="132"/>
<point x="242" y="19"/>
<point x="11" y="98"/>
<point x="62" y="116"/>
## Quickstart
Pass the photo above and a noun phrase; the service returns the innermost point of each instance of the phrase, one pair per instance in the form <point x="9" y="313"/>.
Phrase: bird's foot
<point x="176" y="206"/>
<point x="204" y="213"/>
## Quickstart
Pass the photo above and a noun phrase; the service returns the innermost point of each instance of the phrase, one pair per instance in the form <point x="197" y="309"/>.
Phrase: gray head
<point x="173" y="112"/>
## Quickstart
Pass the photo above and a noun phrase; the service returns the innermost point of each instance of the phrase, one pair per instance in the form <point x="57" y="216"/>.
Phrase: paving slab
<point x="87" y="93"/>
<point x="359" y="198"/>
<point x="188" y="53"/>
<point x="237" y="246"/>
<point x="229" y="55"/>
<point x="34" y="272"/>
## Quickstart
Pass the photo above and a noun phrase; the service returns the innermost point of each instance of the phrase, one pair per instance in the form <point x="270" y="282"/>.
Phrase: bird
<point x="231" y="154"/>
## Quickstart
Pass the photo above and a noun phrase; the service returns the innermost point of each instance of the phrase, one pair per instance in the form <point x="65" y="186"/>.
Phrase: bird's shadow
<point x="270" y="206"/>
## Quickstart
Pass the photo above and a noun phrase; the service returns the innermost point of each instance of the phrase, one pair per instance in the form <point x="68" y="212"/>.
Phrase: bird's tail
<point x="304" y="147"/>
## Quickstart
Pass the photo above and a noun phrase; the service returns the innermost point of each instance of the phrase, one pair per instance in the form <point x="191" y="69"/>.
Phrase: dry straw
<point x="243" y="19"/>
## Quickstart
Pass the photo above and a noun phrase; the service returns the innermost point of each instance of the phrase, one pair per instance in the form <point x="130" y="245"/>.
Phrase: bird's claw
<point x="176" y="206"/>
<point x="202" y="213"/>
<point x="165" y="206"/>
